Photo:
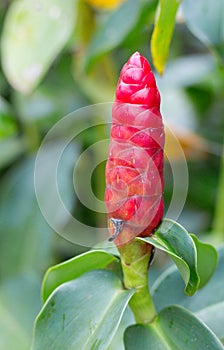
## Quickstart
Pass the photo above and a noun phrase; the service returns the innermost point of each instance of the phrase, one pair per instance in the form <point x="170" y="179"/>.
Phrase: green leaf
<point x="115" y="29"/>
<point x="7" y="123"/>
<point x="27" y="52"/>
<point x="175" y="241"/>
<point x="82" y="314"/>
<point x="206" y="21"/>
<point x="19" y="305"/>
<point x="163" y="31"/>
<point x="207" y="259"/>
<point x="127" y="320"/>
<point x="207" y="303"/>
<point x="74" y="268"/>
<point x="174" y="329"/>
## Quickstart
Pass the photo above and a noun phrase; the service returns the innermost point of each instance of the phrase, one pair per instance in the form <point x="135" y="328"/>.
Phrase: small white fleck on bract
<point x="55" y="12"/>
<point x="32" y="72"/>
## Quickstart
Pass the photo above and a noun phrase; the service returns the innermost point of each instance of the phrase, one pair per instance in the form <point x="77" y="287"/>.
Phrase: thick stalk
<point x="135" y="258"/>
<point x="218" y="224"/>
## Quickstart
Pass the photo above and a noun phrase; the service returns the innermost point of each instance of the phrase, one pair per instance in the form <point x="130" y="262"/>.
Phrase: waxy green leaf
<point x="82" y="314"/>
<point x="208" y="302"/>
<point x="127" y="320"/>
<point x="175" y="328"/>
<point x="207" y="259"/>
<point x="195" y="260"/>
<point x="73" y="268"/>
<point x="175" y="241"/>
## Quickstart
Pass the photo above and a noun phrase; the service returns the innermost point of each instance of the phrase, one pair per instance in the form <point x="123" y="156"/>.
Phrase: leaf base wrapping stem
<point x="135" y="259"/>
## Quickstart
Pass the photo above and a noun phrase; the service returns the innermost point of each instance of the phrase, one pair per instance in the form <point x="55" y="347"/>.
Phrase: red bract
<point x="134" y="170"/>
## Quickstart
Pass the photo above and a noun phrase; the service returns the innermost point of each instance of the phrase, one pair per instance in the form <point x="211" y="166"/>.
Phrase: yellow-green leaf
<point x="163" y="31"/>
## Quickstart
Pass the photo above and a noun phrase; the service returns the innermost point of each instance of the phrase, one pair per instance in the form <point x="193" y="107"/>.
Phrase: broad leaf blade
<point x="174" y="329"/>
<point x="207" y="303"/>
<point x="207" y="259"/>
<point x="27" y="52"/>
<point x="175" y="240"/>
<point x="74" y="268"/>
<point x="162" y="33"/>
<point x="127" y="320"/>
<point x="82" y="314"/>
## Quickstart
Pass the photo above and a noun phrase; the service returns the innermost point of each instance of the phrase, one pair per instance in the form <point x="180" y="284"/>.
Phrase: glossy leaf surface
<point x="73" y="268"/>
<point x="175" y="240"/>
<point x="207" y="303"/>
<point x="174" y="329"/>
<point x="82" y="314"/>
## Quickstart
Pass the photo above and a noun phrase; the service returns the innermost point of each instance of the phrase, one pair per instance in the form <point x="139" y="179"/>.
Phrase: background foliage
<point x="59" y="56"/>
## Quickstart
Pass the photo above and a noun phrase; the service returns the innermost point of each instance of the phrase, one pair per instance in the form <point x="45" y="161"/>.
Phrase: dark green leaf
<point x="207" y="303"/>
<point x="27" y="52"/>
<point x="163" y="31"/>
<point x="82" y="314"/>
<point x="116" y="28"/>
<point x="175" y="328"/>
<point x="74" y="268"/>
<point x="205" y="19"/>
<point x="175" y="240"/>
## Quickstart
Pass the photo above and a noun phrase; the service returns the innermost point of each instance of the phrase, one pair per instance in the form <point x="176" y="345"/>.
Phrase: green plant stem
<point x="218" y="224"/>
<point x="135" y="258"/>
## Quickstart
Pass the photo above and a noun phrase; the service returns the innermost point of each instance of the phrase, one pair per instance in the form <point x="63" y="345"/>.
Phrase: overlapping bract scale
<point x="134" y="170"/>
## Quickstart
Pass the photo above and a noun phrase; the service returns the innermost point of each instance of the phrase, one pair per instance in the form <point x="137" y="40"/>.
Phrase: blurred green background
<point x="59" y="56"/>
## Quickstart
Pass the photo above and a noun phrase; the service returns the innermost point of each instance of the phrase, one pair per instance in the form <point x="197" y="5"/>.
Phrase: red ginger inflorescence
<point x="134" y="169"/>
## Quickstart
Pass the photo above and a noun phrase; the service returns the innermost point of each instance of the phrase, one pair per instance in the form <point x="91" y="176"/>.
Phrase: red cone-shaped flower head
<point x="134" y="170"/>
